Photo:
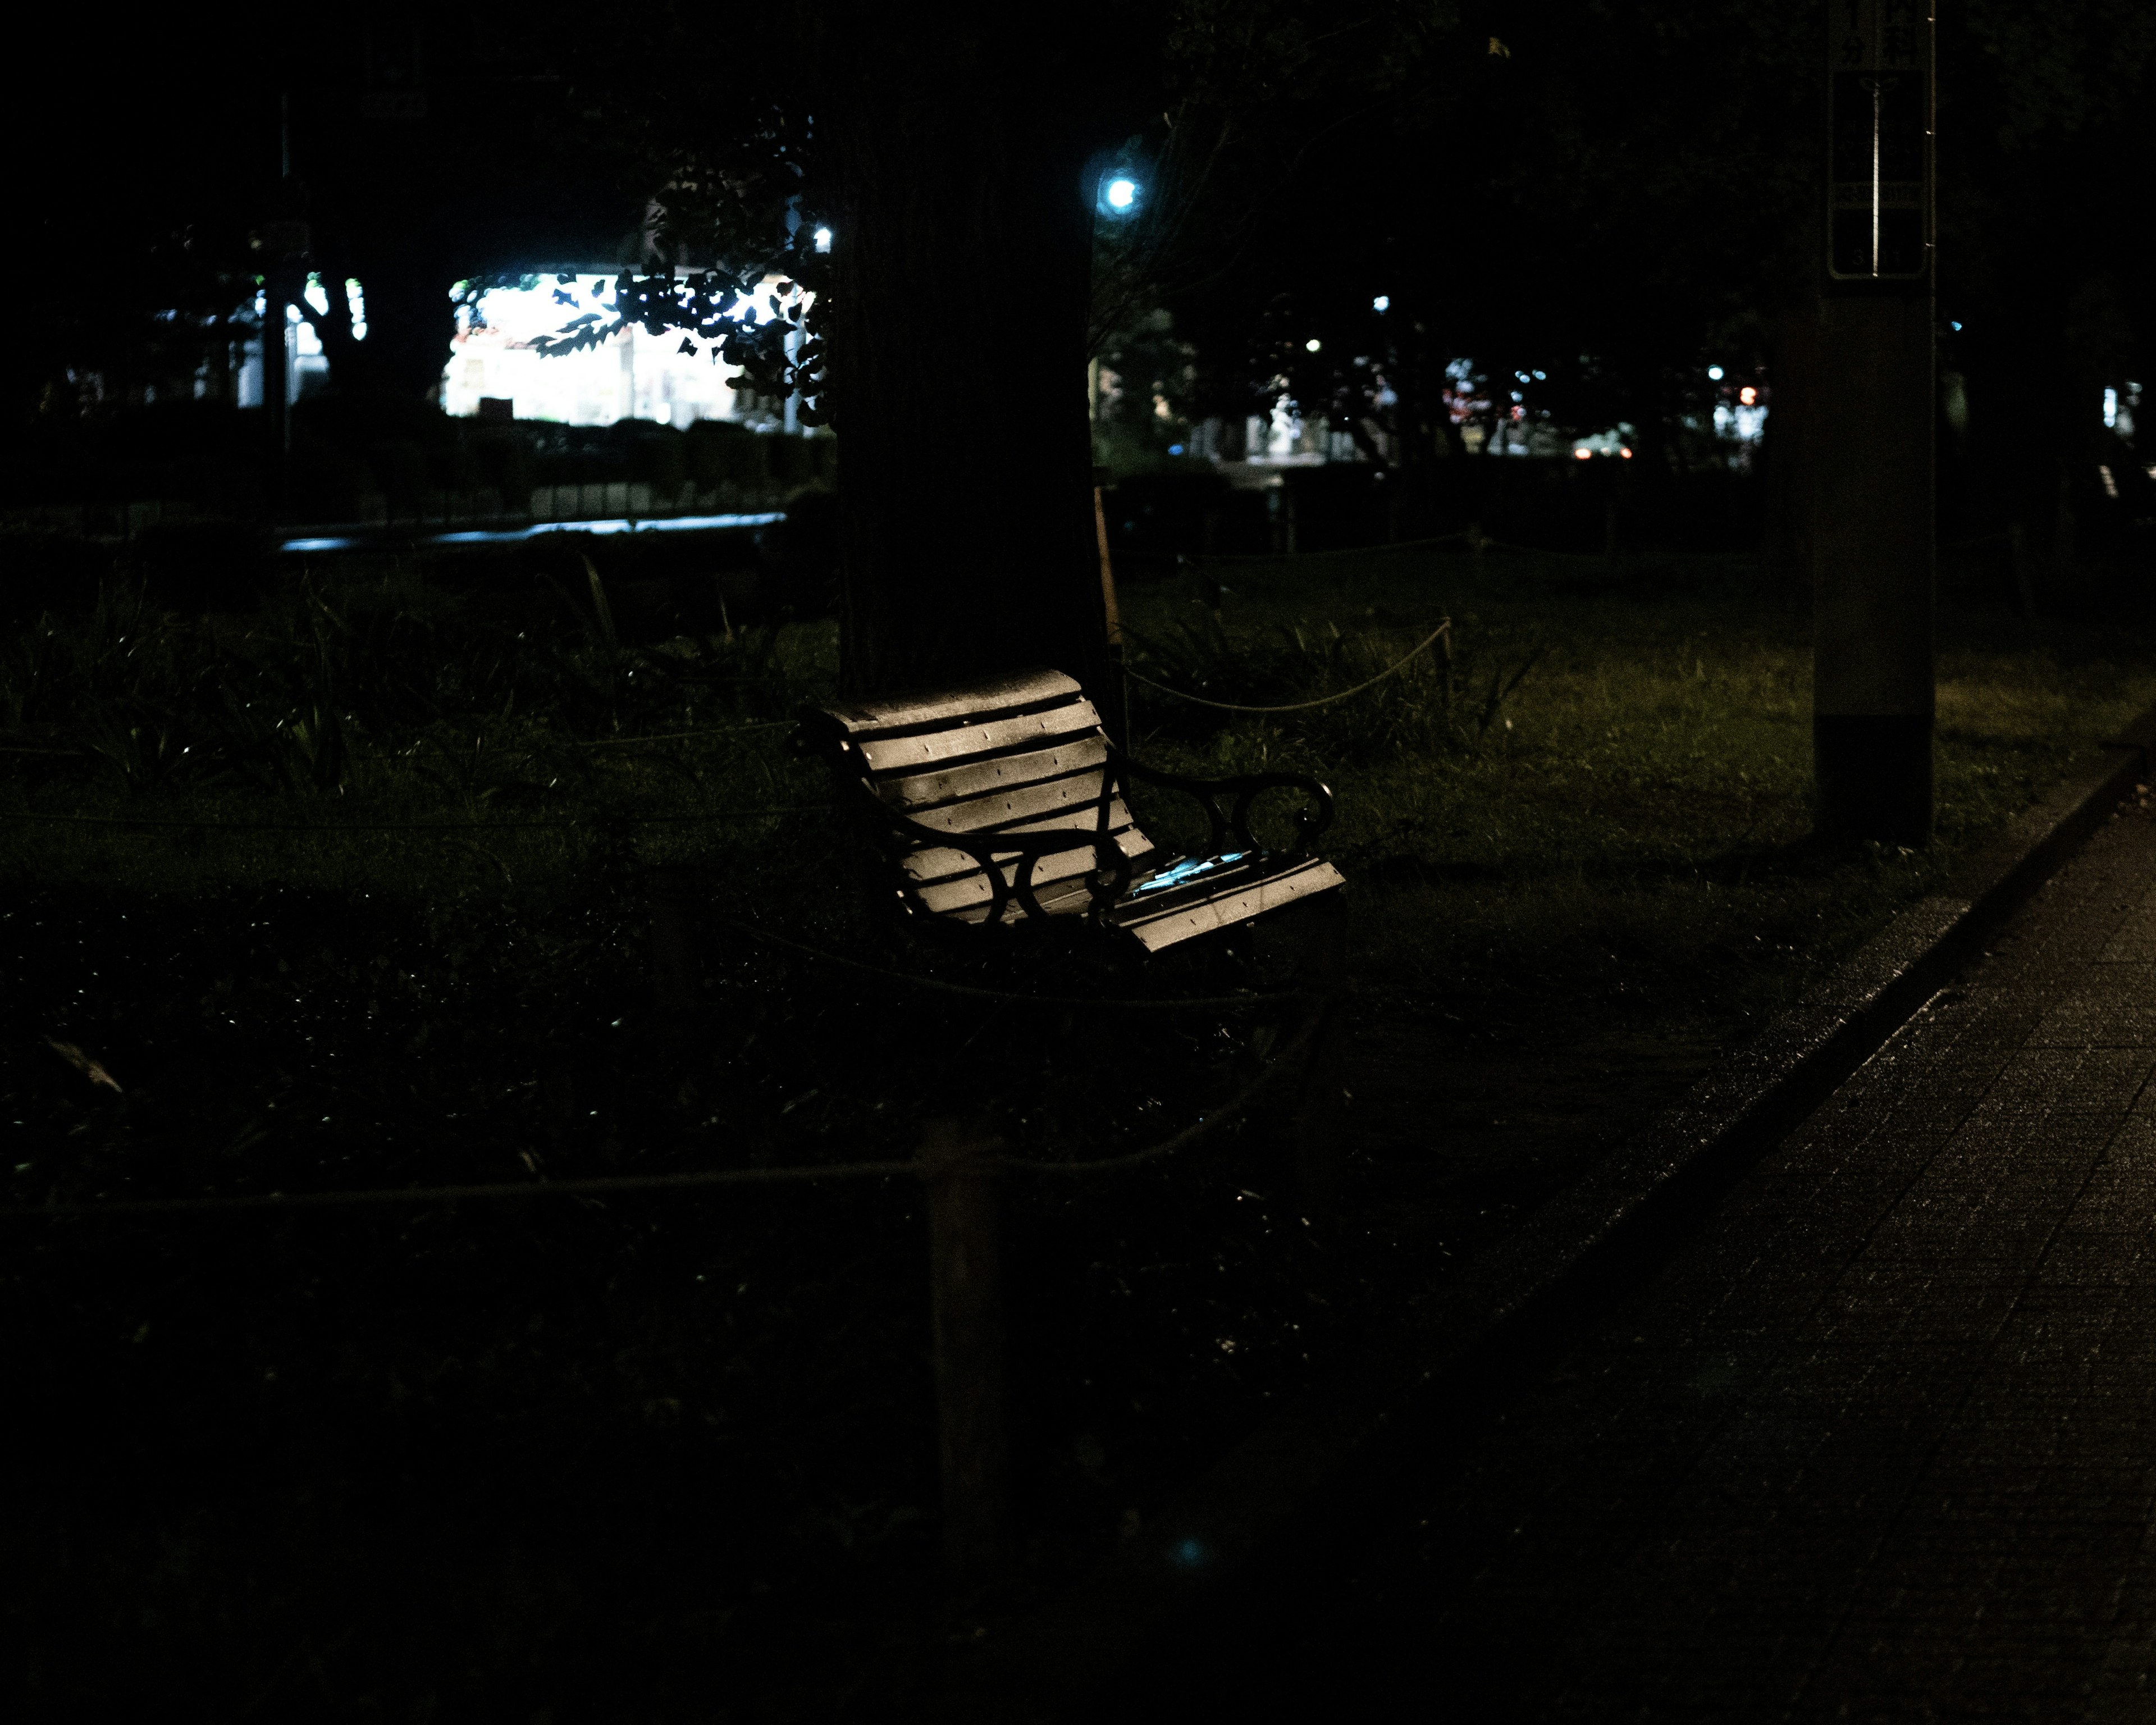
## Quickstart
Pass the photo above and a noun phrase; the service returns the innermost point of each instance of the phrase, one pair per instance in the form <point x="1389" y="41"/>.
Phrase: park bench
<point x="1004" y="802"/>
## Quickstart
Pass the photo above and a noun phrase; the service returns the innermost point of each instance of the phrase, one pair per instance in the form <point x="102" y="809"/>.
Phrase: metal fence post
<point x="958" y="1165"/>
<point x="1317" y="1124"/>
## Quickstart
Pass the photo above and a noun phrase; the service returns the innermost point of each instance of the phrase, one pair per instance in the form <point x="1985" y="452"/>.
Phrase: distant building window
<point x="630" y="375"/>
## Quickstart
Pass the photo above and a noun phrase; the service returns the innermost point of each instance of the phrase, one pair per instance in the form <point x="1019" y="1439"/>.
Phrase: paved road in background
<point x="1878" y="1444"/>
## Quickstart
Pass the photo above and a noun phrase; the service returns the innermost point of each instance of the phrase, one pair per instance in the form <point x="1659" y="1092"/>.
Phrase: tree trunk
<point x="410" y="323"/>
<point x="966" y="499"/>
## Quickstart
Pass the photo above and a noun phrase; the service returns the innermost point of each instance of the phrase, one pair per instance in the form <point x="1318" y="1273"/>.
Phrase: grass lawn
<point x="1570" y="899"/>
<point x="429" y="1462"/>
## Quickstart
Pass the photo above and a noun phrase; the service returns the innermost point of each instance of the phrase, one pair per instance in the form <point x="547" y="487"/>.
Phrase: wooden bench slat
<point x="1026" y="755"/>
<point x="915" y="793"/>
<point x="933" y="862"/>
<point x="1004" y="810"/>
<point x="1273" y="891"/>
<point x="1074" y="901"/>
<point x="1052" y="876"/>
<point x="949" y="706"/>
<point x="918" y="753"/>
<point x="1219" y="904"/>
<point x="952" y="898"/>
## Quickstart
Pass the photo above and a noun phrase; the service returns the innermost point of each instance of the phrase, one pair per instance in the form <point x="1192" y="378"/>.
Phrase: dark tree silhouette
<point x="955" y="155"/>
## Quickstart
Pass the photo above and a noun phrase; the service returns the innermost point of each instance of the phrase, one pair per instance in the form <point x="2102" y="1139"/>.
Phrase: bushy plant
<point x="792" y="461"/>
<point x="504" y="463"/>
<point x="658" y="460"/>
<point x="297" y="696"/>
<point x="41" y="570"/>
<point x="720" y="452"/>
<point x="1442" y="699"/>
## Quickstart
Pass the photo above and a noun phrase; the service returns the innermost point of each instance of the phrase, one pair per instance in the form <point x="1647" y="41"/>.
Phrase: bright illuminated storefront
<point x="631" y="376"/>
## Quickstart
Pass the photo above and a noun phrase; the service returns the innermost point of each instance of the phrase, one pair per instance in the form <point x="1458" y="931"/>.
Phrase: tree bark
<point x="410" y="322"/>
<point x="966" y="498"/>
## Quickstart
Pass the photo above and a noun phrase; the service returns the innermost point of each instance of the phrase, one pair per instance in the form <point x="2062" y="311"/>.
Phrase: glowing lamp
<point x="1123" y="193"/>
<point x="1312" y="345"/>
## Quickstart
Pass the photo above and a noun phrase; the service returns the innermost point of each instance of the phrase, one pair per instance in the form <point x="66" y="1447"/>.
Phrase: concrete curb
<point x="1030" y="1669"/>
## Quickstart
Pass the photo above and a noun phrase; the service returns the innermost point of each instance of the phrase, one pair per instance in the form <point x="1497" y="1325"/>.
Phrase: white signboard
<point x="1880" y="136"/>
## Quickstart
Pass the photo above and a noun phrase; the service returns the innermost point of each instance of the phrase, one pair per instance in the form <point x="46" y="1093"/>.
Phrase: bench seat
<point x="1005" y="802"/>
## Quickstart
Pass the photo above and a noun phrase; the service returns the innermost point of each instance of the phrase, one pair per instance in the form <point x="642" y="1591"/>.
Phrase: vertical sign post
<point x="1871" y="501"/>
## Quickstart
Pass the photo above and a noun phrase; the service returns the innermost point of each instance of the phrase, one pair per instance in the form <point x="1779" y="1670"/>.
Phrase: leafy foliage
<point x="300" y="697"/>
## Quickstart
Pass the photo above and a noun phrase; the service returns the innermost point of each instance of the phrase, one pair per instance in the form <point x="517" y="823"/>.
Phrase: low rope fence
<point x="687" y="1180"/>
<point x="599" y="822"/>
<point x="451" y="1194"/>
<point x="1340" y="551"/>
<point x="1226" y="1002"/>
<point x="579" y="742"/>
<point x="617" y="743"/>
<point x="1476" y="540"/>
<point x="1472" y="537"/>
<point x="1443" y="632"/>
<point x="958" y="1170"/>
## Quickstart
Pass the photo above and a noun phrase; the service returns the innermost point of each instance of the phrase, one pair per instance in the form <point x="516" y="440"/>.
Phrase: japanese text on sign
<point x="1880" y="134"/>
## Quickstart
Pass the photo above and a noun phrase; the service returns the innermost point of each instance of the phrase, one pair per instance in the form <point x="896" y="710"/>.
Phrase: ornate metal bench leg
<point x="1318" y="1115"/>
<point x="957" y="1162"/>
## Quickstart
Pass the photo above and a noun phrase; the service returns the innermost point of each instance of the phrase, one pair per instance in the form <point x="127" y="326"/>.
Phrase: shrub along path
<point x="1877" y="1445"/>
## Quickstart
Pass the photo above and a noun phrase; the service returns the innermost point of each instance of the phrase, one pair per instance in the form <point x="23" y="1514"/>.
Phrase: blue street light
<point x="1123" y="193"/>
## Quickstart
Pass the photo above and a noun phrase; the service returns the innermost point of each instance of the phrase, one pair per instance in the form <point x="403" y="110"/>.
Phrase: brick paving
<point x="1878" y="1444"/>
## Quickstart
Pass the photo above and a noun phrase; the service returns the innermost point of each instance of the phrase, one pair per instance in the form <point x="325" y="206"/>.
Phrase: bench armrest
<point x="989" y="851"/>
<point x="1310" y="822"/>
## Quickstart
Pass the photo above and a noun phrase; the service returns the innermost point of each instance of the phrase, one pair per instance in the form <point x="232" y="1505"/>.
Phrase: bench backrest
<point x="1021" y="754"/>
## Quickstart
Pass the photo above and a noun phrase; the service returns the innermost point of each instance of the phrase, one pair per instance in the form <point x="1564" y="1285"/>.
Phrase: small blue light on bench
<point x="1187" y="870"/>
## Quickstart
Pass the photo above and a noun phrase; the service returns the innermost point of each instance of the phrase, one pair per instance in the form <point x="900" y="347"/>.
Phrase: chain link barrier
<point x="597" y="823"/>
<point x="603" y="1185"/>
<point x="1222" y="1003"/>
<point x="1440" y="632"/>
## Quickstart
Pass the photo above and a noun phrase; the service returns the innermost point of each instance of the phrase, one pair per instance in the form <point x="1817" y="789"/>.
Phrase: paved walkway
<point x="1879" y="1443"/>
